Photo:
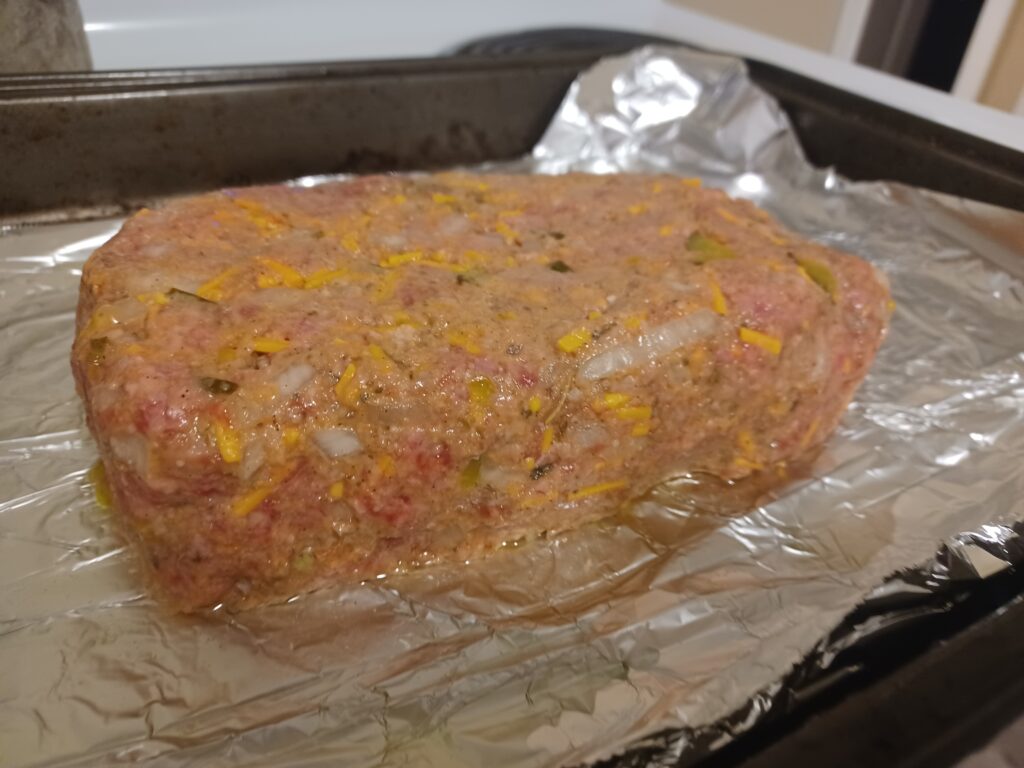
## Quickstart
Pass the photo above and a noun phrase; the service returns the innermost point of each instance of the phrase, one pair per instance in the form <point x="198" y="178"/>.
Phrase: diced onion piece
<point x="337" y="441"/>
<point x="253" y="460"/>
<point x="294" y="378"/>
<point x="653" y="345"/>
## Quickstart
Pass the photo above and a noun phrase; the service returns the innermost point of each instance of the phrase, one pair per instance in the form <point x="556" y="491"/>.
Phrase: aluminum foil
<point x="564" y="651"/>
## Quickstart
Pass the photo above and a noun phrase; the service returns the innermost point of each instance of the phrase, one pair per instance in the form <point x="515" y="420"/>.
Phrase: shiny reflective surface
<point x="552" y="653"/>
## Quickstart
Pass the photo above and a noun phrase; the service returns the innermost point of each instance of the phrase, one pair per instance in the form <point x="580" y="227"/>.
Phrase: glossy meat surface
<point x="292" y="386"/>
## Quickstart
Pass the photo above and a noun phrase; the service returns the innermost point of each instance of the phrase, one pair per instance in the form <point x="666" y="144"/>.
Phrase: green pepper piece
<point x="217" y="386"/>
<point x="820" y="274"/>
<point x="707" y="248"/>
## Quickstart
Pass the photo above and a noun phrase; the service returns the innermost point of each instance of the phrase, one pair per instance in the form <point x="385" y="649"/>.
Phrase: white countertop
<point x="133" y="34"/>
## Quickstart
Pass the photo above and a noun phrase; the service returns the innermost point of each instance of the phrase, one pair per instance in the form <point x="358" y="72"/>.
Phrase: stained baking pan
<point x="106" y="142"/>
<point x="84" y="145"/>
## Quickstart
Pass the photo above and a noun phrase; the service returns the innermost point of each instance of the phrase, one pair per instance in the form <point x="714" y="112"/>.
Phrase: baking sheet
<point x="563" y="651"/>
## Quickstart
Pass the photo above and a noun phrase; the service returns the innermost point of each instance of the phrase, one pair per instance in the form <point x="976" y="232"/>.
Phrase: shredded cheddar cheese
<point x="463" y="341"/>
<point x="347" y="388"/>
<point x="228" y="443"/>
<point x="718" y="303"/>
<point x="574" y="341"/>
<point x="288" y="275"/>
<point x="547" y="440"/>
<point x="727" y="215"/>
<point x="324" y="277"/>
<point x="245" y="504"/>
<point x="634" y="413"/>
<point x="614" y="399"/>
<point x="666" y="230"/>
<point x="593" y="490"/>
<point x="268" y="344"/>
<point x="769" y="344"/>
<point x="158" y="299"/>
<point x="213" y="289"/>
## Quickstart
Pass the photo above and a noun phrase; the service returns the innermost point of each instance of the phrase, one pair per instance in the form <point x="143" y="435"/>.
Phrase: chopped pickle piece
<point x="97" y="347"/>
<point x="100" y="487"/>
<point x="304" y="562"/>
<point x="481" y="391"/>
<point x="820" y="274"/>
<point x="470" y="475"/>
<point x="337" y="490"/>
<point x="559" y="266"/>
<point x="217" y="386"/>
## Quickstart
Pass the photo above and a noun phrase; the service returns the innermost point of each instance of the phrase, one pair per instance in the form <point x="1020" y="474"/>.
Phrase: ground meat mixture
<point x="292" y="386"/>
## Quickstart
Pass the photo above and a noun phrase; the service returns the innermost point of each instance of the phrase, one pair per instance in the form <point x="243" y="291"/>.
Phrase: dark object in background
<point x="42" y="36"/>
<point x="943" y="41"/>
<point x="920" y="40"/>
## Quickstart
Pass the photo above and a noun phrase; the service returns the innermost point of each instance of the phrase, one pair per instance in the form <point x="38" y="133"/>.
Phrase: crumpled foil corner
<point x="565" y="651"/>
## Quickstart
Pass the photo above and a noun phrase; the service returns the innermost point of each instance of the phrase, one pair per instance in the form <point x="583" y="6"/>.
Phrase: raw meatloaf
<point x="292" y="386"/>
